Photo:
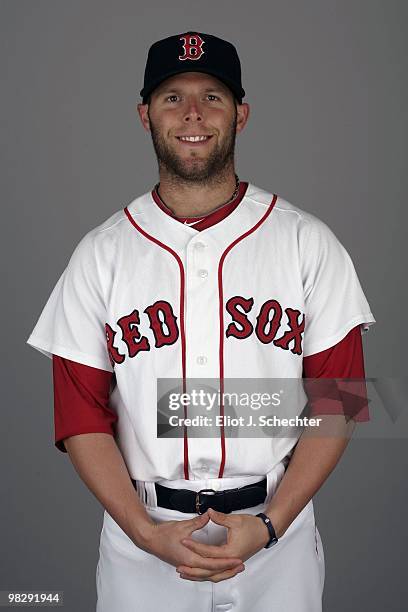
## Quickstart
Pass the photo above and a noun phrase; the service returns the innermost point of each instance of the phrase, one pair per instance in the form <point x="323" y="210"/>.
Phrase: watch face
<point x="271" y="543"/>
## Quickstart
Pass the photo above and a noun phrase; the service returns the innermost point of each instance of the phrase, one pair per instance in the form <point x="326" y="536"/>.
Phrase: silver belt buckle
<point x="197" y="500"/>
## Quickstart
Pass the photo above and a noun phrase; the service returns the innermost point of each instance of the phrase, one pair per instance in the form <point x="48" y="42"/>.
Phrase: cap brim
<point x="239" y="93"/>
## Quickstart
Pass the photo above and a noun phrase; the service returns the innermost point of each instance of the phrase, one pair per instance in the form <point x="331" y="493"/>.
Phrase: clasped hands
<point x="171" y="541"/>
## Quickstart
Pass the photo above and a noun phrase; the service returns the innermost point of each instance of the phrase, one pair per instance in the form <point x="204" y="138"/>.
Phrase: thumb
<point x="219" y="517"/>
<point x="198" y="521"/>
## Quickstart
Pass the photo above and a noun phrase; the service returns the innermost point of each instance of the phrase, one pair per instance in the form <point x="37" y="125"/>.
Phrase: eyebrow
<point x="176" y="90"/>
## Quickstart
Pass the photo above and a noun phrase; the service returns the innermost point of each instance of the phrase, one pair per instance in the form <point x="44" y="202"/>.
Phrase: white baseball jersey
<point x="147" y="297"/>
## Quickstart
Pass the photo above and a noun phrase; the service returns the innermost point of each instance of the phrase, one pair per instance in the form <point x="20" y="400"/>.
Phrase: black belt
<point x="185" y="500"/>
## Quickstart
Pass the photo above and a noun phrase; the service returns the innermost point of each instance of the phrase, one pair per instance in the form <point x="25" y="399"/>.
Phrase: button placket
<point x="202" y="346"/>
<point x="201" y="307"/>
<point x="198" y="273"/>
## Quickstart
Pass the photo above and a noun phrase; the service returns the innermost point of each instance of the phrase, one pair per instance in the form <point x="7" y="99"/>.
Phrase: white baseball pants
<point x="289" y="577"/>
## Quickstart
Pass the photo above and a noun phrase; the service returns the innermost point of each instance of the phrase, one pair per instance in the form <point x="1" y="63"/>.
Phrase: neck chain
<point x="234" y="195"/>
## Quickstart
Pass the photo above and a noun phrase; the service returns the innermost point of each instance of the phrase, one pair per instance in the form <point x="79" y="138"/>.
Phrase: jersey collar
<point x="202" y="222"/>
<point x="166" y="229"/>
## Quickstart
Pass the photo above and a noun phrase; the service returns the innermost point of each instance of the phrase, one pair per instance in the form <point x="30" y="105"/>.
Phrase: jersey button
<point x="202" y="273"/>
<point x="200" y="246"/>
<point x="201" y="360"/>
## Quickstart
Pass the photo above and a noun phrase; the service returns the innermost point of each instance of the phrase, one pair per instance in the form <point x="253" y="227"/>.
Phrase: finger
<point x="219" y="517"/>
<point x="197" y="572"/>
<point x="216" y="577"/>
<point x="208" y="550"/>
<point x="225" y="575"/>
<point x="196" y="523"/>
<point x="210" y="563"/>
<point x="197" y="520"/>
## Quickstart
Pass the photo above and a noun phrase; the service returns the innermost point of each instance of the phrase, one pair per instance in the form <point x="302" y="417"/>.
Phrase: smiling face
<point x="193" y="119"/>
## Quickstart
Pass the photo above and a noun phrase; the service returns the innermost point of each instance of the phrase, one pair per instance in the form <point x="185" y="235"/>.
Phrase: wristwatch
<point x="273" y="539"/>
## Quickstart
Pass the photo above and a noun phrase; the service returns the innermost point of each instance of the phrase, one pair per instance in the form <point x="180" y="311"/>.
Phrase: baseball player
<point x="203" y="276"/>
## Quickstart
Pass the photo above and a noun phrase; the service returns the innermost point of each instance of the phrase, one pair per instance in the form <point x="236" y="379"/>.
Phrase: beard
<point x="201" y="170"/>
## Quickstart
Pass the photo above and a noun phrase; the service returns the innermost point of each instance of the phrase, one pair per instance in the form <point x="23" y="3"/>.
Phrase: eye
<point x="173" y="97"/>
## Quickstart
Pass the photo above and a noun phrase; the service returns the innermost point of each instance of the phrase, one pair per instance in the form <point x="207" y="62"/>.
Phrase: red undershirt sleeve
<point x="343" y="360"/>
<point x="81" y="400"/>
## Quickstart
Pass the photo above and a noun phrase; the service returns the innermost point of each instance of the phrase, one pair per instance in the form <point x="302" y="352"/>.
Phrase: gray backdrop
<point x="327" y="86"/>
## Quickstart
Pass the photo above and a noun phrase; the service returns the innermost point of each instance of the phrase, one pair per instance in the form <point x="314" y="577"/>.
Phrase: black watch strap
<point x="272" y="539"/>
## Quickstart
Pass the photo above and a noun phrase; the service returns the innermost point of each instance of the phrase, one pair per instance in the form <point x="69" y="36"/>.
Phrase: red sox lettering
<point x="294" y="333"/>
<point x="165" y="330"/>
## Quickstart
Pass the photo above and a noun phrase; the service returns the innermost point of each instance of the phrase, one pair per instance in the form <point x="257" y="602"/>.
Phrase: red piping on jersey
<point x="182" y="332"/>
<point x="221" y="313"/>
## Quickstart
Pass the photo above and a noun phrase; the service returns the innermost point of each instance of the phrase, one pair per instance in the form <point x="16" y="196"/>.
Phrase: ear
<point x="242" y="116"/>
<point x="144" y="117"/>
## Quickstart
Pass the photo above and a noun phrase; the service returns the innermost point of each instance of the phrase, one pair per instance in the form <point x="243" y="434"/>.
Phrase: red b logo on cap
<point x="193" y="47"/>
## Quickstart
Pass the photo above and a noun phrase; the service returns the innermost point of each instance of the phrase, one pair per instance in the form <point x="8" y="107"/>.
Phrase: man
<point x="205" y="276"/>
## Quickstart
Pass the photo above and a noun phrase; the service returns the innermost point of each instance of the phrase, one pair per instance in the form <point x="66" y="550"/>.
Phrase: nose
<point x="193" y="111"/>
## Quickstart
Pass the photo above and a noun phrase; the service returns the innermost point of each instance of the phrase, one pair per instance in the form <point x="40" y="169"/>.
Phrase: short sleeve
<point x="72" y="322"/>
<point x="334" y="299"/>
<point x="81" y="400"/>
<point x="344" y="360"/>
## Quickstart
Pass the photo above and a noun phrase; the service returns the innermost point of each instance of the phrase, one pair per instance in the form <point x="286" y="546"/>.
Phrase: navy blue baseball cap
<point x="193" y="52"/>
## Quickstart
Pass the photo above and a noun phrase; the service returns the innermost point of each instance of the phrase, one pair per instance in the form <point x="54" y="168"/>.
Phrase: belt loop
<point x="140" y="489"/>
<point x="151" y="497"/>
<point x="273" y="478"/>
